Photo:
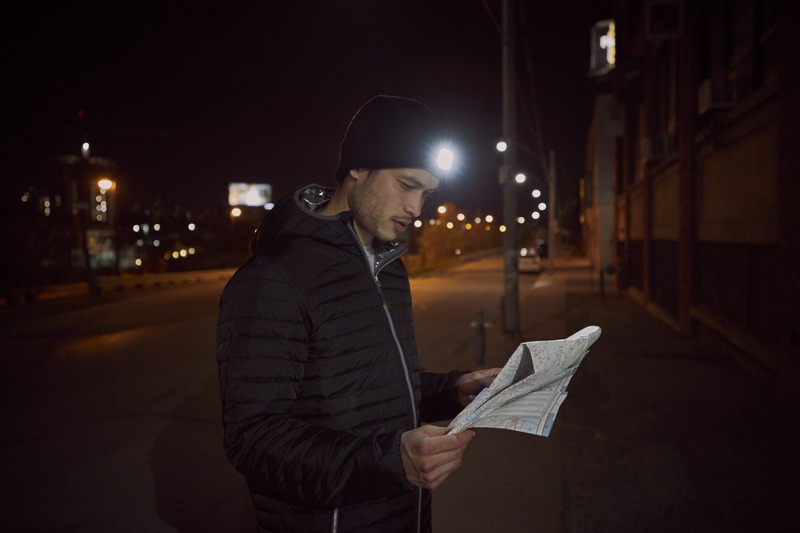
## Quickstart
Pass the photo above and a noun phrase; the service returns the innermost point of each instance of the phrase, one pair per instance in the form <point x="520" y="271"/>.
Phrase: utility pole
<point x="551" y="212"/>
<point x="511" y="279"/>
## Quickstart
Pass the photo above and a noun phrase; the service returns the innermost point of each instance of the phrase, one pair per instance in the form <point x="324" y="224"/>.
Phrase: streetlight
<point x="105" y="184"/>
<point x="236" y="212"/>
<point x="442" y="210"/>
<point x="489" y="218"/>
<point x="535" y="215"/>
<point x="520" y="178"/>
<point x="536" y="193"/>
<point x="502" y="146"/>
<point x="542" y="206"/>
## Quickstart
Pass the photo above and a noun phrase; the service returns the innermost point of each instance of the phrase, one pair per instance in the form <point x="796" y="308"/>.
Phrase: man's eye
<point x="406" y="186"/>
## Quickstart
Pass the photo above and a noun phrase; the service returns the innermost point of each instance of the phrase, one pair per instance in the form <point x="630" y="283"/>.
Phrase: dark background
<point x="188" y="97"/>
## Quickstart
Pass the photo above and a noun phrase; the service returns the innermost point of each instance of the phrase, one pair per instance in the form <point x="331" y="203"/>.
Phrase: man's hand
<point x="469" y="385"/>
<point x="429" y="456"/>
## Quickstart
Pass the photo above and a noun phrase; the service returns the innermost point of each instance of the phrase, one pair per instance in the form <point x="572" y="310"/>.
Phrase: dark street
<point x="114" y="423"/>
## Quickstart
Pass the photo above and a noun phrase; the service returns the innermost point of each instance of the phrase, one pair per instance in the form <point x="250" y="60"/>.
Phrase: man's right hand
<point x="429" y="455"/>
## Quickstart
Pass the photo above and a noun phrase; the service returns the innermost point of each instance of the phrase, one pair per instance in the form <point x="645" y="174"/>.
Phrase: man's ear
<point x="358" y="173"/>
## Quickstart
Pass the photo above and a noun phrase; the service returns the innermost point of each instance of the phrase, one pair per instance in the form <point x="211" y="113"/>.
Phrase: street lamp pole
<point x="511" y="280"/>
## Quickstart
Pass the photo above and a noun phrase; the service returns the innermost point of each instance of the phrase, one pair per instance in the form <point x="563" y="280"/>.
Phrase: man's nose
<point x="414" y="205"/>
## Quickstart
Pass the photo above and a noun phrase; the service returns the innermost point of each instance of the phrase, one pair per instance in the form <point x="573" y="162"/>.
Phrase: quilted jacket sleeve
<point x="439" y="396"/>
<point x="262" y="336"/>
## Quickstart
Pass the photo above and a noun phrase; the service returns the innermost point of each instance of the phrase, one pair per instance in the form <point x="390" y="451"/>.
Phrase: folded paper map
<point x="526" y="394"/>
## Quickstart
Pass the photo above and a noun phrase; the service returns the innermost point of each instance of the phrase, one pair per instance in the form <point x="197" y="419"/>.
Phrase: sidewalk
<point x="658" y="432"/>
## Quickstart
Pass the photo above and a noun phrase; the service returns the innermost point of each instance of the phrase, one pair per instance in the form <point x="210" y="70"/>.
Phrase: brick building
<point x="706" y="172"/>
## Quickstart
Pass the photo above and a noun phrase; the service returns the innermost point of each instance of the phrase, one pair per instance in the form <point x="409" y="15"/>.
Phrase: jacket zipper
<point x="335" y="521"/>
<point x="375" y="270"/>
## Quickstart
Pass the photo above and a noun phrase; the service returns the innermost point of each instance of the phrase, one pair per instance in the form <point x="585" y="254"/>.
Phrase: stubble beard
<point x="366" y="210"/>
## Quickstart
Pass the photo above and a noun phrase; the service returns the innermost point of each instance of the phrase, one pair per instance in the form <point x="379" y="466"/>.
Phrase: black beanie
<point x="390" y="132"/>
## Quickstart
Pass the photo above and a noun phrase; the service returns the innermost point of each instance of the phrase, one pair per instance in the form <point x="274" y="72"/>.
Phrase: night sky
<point x="187" y="97"/>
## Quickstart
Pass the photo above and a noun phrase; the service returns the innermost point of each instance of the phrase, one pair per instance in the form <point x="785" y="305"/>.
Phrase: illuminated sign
<point x="249" y="194"/>
<point x="604" y="48"/>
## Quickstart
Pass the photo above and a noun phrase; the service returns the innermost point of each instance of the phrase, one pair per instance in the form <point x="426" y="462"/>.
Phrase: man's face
<point x="387" y="201"/>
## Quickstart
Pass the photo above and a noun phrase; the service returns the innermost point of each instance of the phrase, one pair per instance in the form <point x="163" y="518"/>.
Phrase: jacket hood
<point x="297" y="215"/>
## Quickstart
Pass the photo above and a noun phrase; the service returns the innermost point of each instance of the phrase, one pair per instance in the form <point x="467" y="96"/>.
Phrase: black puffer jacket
<point x="319" y="377"/>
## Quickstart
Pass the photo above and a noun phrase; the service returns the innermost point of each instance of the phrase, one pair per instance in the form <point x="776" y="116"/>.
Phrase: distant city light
<point x="542" y="206"/>
<point x="489" y="218"/>
<point x="417" y="223"/>
<point x="25" y="197"/>
<point x="175" y="255"/>
<point x="268" y="206"/>
<point x="47" y="211"/>
<point x="156" y="226"/>
<point x="502" y="229"/>
<point x="536" y="193"/>
<point x="535" y="215"/>
<point x="521" y="219"/>
<point x="442" y="209"/>
<point x="85" y="150"/>
<point x="458" y="251"/>
<point x="520" y="178"/>
<point x="461" y="216"/>
<point x="183" y="253"/>
<point x="477" y="220"/>
<point x="105" y="184"/>
<point x="468" y="226"/>
<point x="449" y="225"/>
<point x="501" y="146"/>
<point x="191" y="226"/>
<point x="139" y="242"/>
<point x="138" y="262"/>
<point x="192" y="251"/>
<point x="487" y="227"/>
<point x="235" y="212"/>
<point x="156" y="243"/>
<point x="431" y="222"/>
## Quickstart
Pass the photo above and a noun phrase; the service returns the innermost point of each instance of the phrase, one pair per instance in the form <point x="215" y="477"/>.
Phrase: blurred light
<point x="139" y="242"/>
<point x="136" y="228"/>
<point x="268" y="206"/>
<point x="444" y="159"/>
<point x="47" y="211"/>
<point x="235" y="212"/>
<point x="488" y="227"/>
<point x="477" y="220"/>
<point x="468" y="226"/>
<point x="449" y="225"/>
<point x="442" y="209"/>
<point x="438" y="222"/>
<point x="535" y="215"/>
<point x="25" y="197"/>
<point x="520" y="178"/>
<point x="191" y="226"/>
<point x="102" y="208"/>
<point x="138" y="262"/>
<point x="99" y="218"/>
<point x="536" y="193"/>
<point x="105" y="184"/>
<point x="417" y="223"/>
<point x="458" y="251"/>
<point x="98" y="198"/>
<point x="502" y="229"/>
<point x="145" y="228"/>
<point x="461" y="216"/>
<point x="542" y="206"/>
<point x="156" y="242"/>
<point x="520" y="219"/>
<point x="85" y="149"/>
<point x="489" y="218"/>
<point x="47" y="203"/>
<point x="431" y="222"/>
<point x="156" y="227"/>
<point x="523" y="252"/>
<point x="501" y="146"/>
<point x="192" y="251"/>
<point x="175" y="255"/>
<point x="183" y="252"/>
<point x="166" y="255"/>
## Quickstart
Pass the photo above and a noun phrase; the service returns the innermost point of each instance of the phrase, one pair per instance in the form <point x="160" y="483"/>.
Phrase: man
<point x="321" y="391"/>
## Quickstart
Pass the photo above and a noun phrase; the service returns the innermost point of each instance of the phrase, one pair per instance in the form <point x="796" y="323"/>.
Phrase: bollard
<point x="480" y="340"/>
<point x="602" y="283"/>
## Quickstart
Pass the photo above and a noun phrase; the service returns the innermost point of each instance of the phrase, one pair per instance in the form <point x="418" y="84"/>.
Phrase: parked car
<point x="529" y="260"/>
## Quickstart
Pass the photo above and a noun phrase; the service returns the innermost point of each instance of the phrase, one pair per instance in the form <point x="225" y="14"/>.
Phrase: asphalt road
<point x="112" y="416"/>
<point x="112" y="420"/>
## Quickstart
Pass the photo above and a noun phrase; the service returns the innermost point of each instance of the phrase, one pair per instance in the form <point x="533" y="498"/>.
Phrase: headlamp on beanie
<point x="394" y="132"/>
